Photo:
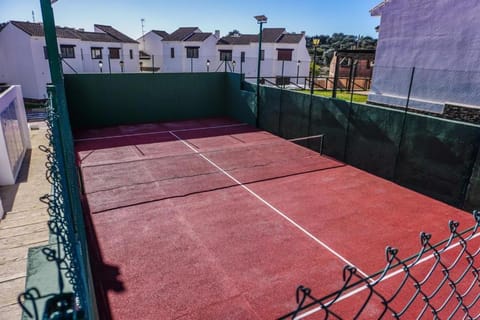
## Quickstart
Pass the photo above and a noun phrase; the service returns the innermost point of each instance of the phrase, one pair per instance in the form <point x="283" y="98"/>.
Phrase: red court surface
<point x="213" y="219"/>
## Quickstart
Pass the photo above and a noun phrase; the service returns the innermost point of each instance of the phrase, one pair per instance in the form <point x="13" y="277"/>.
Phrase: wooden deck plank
<point x="23" y="226"/>
<point x="9" y="312"/>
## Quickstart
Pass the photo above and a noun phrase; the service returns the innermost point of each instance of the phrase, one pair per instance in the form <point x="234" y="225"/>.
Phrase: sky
<point x="312" y="16"/>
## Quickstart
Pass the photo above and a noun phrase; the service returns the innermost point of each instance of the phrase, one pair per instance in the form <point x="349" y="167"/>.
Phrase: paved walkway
<point x="23" y="226"/>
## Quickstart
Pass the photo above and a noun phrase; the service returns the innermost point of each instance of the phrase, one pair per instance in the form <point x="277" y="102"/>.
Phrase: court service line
<point x="158" y="132"/>
<point x="283" y="215"/>
<point x="388" y="276"/>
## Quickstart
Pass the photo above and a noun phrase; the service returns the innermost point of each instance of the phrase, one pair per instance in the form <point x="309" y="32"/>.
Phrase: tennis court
<point x="210" y="219"/>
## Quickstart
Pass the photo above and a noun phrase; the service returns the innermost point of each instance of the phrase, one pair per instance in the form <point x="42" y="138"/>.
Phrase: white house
<point x="282" y="54"/>
<point x="22" y="44"/>
<point x="188" y="49"/>
<point x="151" y="50"/>
<point x="440" y="39"/>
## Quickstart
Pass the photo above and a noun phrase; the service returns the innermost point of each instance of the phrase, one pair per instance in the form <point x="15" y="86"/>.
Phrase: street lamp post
<point x="315" y="43"/>
<point x="298" y="69"/>
<point x="260" y="20"/>
<point x="234" y="63"/>
<point x="122" y="65"/>
<point x="208" y="65"/>
<point x="100" y="66"/>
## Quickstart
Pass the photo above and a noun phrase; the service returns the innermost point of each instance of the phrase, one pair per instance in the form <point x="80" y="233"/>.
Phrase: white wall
<point x="15" y="139"/>
<point x="17" y="65"/>
<point x="28" y="67"/>
<point x="270" y="67"/>
<point x="440" y="39"/>
<point x="152" y="44"/>
<point x="85" y="64"/>
<point x="180" y="63"/>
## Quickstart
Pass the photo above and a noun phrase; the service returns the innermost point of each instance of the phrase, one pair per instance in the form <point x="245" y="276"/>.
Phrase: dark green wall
<point x="241" y="99"/>
<point x="430" y="155"/>
<point x="100" y="100"/>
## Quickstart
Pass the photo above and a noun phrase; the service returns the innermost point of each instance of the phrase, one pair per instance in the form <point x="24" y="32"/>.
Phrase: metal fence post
<point x="404" y="122"/>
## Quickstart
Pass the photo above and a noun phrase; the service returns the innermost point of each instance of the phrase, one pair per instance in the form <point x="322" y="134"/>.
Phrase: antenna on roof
<point x="143" y="32"/>
<point x="33" y="16"/>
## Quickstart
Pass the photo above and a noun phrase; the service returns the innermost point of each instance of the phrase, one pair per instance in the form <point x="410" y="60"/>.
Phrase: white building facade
<point x="22" y="44"/>
<point x="151" y="50"/>
<point x="284" y="57"/>
<point x="440" y="39"/>
<point x="188" y="50"/>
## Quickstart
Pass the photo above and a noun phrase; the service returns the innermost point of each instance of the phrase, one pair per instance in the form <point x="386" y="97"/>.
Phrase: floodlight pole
<point x="55" y="64"/>
<point x="315" y="44"/>
<point x="298" y="69"/>
<point x="260" y="20"/>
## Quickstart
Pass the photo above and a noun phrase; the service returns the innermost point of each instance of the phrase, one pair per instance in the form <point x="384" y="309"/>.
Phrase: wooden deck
<point x="23" y="226"/>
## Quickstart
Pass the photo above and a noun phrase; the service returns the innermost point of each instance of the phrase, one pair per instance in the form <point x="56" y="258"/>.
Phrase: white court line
<point x="391" y="275"/>
<point x="165" y="131"/>
<point x="283" y="215"/>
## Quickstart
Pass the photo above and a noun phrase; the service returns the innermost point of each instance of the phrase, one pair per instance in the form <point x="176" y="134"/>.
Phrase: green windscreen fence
<point x="433" y="156"/>
<point x="101" y="100"/>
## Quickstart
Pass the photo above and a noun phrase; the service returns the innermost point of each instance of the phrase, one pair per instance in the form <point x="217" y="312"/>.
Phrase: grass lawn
<point x="358" y="98"/>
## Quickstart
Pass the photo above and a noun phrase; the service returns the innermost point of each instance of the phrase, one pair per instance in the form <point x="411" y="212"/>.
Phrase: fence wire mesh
<point x="440" y="282"/>
<point x="68" y="249"/>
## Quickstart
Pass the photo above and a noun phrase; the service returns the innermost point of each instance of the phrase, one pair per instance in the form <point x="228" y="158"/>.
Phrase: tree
<point x="337" y="41"/>
<point x="233" y="33"/>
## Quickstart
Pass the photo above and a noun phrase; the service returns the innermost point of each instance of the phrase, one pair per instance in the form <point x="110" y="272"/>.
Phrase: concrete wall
<point x="440" y="39"/>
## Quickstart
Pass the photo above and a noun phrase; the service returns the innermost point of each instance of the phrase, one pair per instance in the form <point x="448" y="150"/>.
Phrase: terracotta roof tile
<point x="36" y="30"/>
<point x="290" y="38"/>
<point x="198" y="36"/>
<point x="115" y="33"/>
<point x="244" y="39"/>
<point x="161" y="33"/>
<point x="269" y="35"/>
<point x="96" y="37"/>
<point x="180" y="34"/>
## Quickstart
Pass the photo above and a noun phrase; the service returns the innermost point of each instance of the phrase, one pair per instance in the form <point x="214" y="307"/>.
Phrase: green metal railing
<point x="70" y="251"/>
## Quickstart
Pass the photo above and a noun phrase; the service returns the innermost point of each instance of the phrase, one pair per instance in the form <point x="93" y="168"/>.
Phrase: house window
<point x="225" y="55"/>
<point x="172" y="52"/>
<point x="192" y="52"/>
<point x="45" y="52"/>
<point x="96" y="53"/>
<point x="284" y="54"/>
<point x="281" y="81"/>
<point x="131" y="54"/>
<point x="114" y="53"/>
<point x="262" y="55"/>
<point x="345" y="62"/>
<point x="67" y="51"/>
<point x="242" y="56"/>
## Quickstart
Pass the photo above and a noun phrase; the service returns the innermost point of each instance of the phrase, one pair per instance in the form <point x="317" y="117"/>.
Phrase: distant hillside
<point x="329" y="44"/>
